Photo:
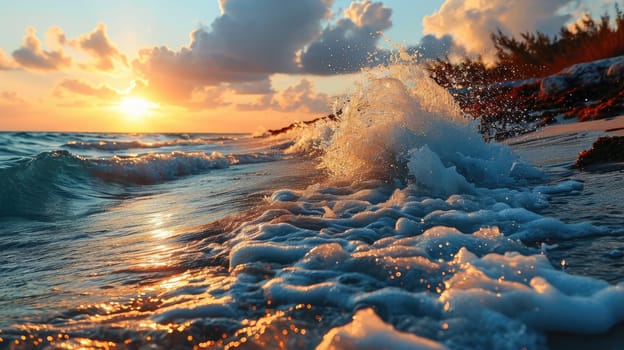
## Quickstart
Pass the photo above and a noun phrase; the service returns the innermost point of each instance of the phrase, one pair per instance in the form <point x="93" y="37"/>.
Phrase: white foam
<point x="368" y="331"/>
<point x="453" y="266"/>
<point x="419" y="233"/>
<point x="529" y="289"/>
<point x="153" y="168"/>
<point x="156" y="167"/>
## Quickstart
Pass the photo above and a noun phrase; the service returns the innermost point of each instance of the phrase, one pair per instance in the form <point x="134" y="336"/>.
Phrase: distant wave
<point x="33" y="185"/>
<point x="155" y="167"/>
<point x="122" y="145"/>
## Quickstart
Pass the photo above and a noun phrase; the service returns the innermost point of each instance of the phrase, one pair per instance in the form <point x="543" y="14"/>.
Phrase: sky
<point x="226" y="65"/>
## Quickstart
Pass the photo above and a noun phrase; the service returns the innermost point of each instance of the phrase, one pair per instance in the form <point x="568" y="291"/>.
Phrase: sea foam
<point x="420" y="234"/>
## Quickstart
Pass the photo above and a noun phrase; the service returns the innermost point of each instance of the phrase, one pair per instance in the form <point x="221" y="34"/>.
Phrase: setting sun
<point x="136" y="107"/>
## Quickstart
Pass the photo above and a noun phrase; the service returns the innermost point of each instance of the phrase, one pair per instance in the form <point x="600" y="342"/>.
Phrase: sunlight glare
<point x="136" y="107"/>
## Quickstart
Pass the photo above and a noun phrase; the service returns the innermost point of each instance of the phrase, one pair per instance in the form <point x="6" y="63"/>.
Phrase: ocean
<point x="396" y="227"/>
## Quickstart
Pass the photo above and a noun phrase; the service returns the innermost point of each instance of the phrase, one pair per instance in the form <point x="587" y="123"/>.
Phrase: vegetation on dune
<point x="540" y="90"/>
<point x="521" y="90"/>
<point x="535" y="55"/>
<point x="606" y="149"/>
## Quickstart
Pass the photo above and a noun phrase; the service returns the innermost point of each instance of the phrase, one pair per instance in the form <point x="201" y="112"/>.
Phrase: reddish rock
<point x="606" y="149"/>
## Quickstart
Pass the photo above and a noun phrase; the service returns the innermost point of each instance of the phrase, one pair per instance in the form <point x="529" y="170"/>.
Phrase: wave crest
<point x="399" y="124"/>
<point x="45" y="184"/>
<point x="155" y="167"/>
<point x="134" y="144"/>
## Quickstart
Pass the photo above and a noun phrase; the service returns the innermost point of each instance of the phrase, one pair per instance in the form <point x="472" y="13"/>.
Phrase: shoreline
<point x="612" y="125"/>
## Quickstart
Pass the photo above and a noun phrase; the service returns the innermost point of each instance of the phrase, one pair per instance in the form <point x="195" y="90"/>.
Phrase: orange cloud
<point x="5" y="62"/>
<point x="98" y="45"/>
<point x="80" y="87"/>
<point x="32" y="56"/>
<point x="369" y="14"/>
<point x="251" y="40"/>
<point x="11" y="97"/>
<point x="12" y="108"/>
<point x="470" y="22"/>
<point x="260" y="87"/>
<point x="297" y="98"/>
<point x="208" y="97"/>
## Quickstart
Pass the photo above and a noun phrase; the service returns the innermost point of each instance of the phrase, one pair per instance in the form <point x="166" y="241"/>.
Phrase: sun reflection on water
<point x="175" y="282"/>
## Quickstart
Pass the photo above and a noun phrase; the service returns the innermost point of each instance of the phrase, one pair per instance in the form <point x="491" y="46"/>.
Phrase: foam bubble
<point x="529" y="289"/>
<point x="368" y="331"/>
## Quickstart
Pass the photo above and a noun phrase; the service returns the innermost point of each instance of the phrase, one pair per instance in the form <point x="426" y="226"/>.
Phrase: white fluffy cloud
<point x="245" y="45"/>
<point x="470" y="22"/>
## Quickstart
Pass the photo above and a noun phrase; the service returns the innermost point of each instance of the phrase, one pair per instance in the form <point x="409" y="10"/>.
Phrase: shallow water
<point x="397" y="227"/>
<point x="599" y="203"/>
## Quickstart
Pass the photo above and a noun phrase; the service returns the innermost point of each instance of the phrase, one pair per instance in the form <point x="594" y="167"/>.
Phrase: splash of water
<point x="398" y="123"/>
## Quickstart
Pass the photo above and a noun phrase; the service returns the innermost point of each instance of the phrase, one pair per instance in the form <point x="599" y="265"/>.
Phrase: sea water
<point x="397" y="227"/>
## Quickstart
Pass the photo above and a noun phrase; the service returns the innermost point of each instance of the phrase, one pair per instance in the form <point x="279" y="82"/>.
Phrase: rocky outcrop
<point x="584" y="91"/>
<point x="330" y="117"/>
<point x="583" y="75"/>
<point x="606" y="149"/>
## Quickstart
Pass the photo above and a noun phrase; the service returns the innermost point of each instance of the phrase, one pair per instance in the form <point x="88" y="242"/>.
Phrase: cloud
<point x="261" y="87"/>
<point x="252" y="40"/>
<point x="98" y="45"/>
<point x="297" y="98"/>
<point x="11" y="98"/>
<point x="367" y="14"/>
<point x="80" y="87"/>
<point x="12" y="106"/>
<point x="351" y="43"/>
<point x="5" y="61"/>
<point x="208" y="97"/>
<point x="32" y="56"/>
<point x="55" y="38"/>
<point x="470" y="22"/>
<point x="432" y="47"/>
<point x="247" y="43"/>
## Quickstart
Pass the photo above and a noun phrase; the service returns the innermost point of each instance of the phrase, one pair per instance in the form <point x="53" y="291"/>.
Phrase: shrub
<point x="535" y="55"/>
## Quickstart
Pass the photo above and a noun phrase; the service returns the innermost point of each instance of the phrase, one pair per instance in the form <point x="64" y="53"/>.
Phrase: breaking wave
<point x="109" y="145"/>
<point x="52" y="177"/>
